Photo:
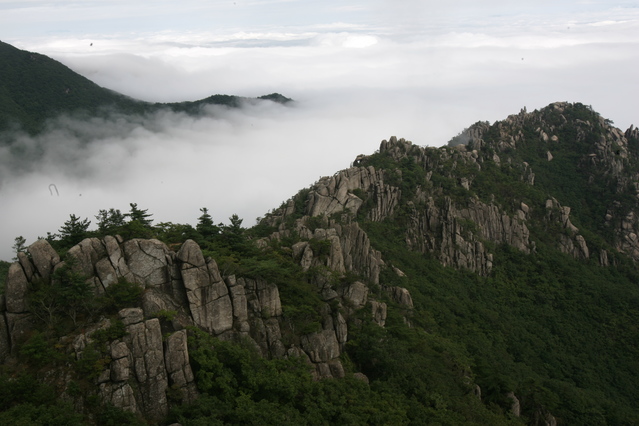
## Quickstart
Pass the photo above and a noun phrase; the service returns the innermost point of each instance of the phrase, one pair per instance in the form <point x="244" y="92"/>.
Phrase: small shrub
<point x="37" y="351"/>
<point x="122" y="294"/>
<point x="166" y="315"/>
<point x="115" y="331"/>
<point x="321" y="248"/>
<point x="92" y="362"/>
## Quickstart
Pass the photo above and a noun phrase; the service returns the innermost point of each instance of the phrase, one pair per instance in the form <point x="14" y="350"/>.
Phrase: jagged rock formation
<point x="604" y="156"/>
<point x="143" y="365"/>
<point x="456" y="228"/>
<point x="456" y="233"/>
<point x="500" y="187"/>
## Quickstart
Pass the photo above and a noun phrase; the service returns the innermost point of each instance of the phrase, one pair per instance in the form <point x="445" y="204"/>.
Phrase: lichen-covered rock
<point x="144" y="340"/>
<point x="178" y="367"/>
<point x="379" y="312"/>
<point x="207" y="294"/>
<point x="16" y="288"/>
<point x="356" y="295"/>
<point x="401" y="296"/>
<point x="44" y="258"/>
<point x="147" y="260"/>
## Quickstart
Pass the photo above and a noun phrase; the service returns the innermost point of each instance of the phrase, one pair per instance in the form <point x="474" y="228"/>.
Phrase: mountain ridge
<point x="34" y="88"/>
<point x="489" y="282"/>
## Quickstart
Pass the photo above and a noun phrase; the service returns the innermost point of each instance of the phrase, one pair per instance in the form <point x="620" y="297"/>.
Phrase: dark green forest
<point x="35" y="88"/>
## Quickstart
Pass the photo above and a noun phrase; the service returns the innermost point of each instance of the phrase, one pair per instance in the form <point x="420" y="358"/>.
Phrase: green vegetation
<point x="34" y="88"/>
<point x="24" y="400"/>
<point x="559" y="333"/>
<point x="552" y="329"/>
<point x="240" y="387"/>
<point x="521" y="326"/>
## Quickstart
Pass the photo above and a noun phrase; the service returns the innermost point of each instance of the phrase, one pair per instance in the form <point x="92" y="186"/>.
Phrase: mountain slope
<point x="538" y="215"/>
<point x="484" y="283"/>
<point x="34" y="88"/>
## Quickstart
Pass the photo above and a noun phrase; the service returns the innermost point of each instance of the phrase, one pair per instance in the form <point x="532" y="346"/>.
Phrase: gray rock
<point x="269" y="297"/>
<point x="120" y="370"/>
<point x="44" y="258"/>
<point x="87" y="253"/>
<point x="238" y="299"/>
<point x="120" y="395"/>
<point x="341" y="329"/>
<point x="178" y="367"/>
<point x="27" y="266"/>
<point x="401" y="296"/>
<point x="16" y="288"/>
<point x="361" y="376"/>
<point x="5" y="342"/>
<point x="321" y="346"/>
<point x="379" y="311"/>
<point x="19" y="327"/>
<point x="515" y="407"/>
<point x="145" y="343"/>
<point x="336" y="368"/>
<point x="356" y="295"/>
<point x="116" y="258"/>
<point x="131" y="316"/>
<point x="208" y="297"/>
<point x="147" y="262"/>
<point x="154" y="300"/>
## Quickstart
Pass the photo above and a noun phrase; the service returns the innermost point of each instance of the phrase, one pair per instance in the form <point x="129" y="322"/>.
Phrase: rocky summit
<point x="489" y="281"/>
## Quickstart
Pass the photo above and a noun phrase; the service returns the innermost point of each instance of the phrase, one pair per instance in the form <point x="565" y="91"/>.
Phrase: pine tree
<point x="205" y="225"/>
<point x="110" y="221"/>
<point x="19" y="246"/>
<point x="141" y="216"/>
<point x="74" y="230"/>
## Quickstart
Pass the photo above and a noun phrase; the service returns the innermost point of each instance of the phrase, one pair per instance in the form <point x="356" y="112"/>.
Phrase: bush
<point x="122" y="294"/>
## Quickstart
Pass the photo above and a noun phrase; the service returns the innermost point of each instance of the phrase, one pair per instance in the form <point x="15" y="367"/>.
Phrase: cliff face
<point x="454" y="232"/>
<point x="152" y="358"/>
<point x="474" y="193"/>
<point x="595" y="156"/>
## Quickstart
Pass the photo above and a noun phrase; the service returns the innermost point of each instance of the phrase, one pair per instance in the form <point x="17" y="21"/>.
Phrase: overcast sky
<point x="360" y="72"/>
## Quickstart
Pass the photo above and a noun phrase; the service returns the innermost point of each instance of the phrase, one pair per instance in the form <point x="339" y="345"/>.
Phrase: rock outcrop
<point x="151" y="360"/>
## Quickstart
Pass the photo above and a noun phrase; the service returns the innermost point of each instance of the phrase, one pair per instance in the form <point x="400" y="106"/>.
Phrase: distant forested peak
<point x="35" y="88"/>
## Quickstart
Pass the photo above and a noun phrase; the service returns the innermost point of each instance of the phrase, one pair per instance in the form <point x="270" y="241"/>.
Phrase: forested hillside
<point x="491" y="281"/>
<point x="35" y="88"/>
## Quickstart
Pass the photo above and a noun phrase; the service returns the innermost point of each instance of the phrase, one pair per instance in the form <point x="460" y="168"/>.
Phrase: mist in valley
<point x="352" y="85"/>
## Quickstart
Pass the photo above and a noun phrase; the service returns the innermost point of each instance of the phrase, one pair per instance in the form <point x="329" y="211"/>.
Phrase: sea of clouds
<point x="353" y="85"/>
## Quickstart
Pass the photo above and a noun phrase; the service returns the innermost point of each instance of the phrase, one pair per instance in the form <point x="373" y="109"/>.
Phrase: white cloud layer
<point x="359" y="72"/>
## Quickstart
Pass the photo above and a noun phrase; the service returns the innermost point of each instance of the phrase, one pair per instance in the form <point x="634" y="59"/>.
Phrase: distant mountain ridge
<point x="34" y="88"/>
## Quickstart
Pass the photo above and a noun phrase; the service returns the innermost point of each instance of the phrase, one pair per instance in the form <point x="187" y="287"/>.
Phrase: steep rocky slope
<point x="143" y="365"/>
<point x="404" y="235"/>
